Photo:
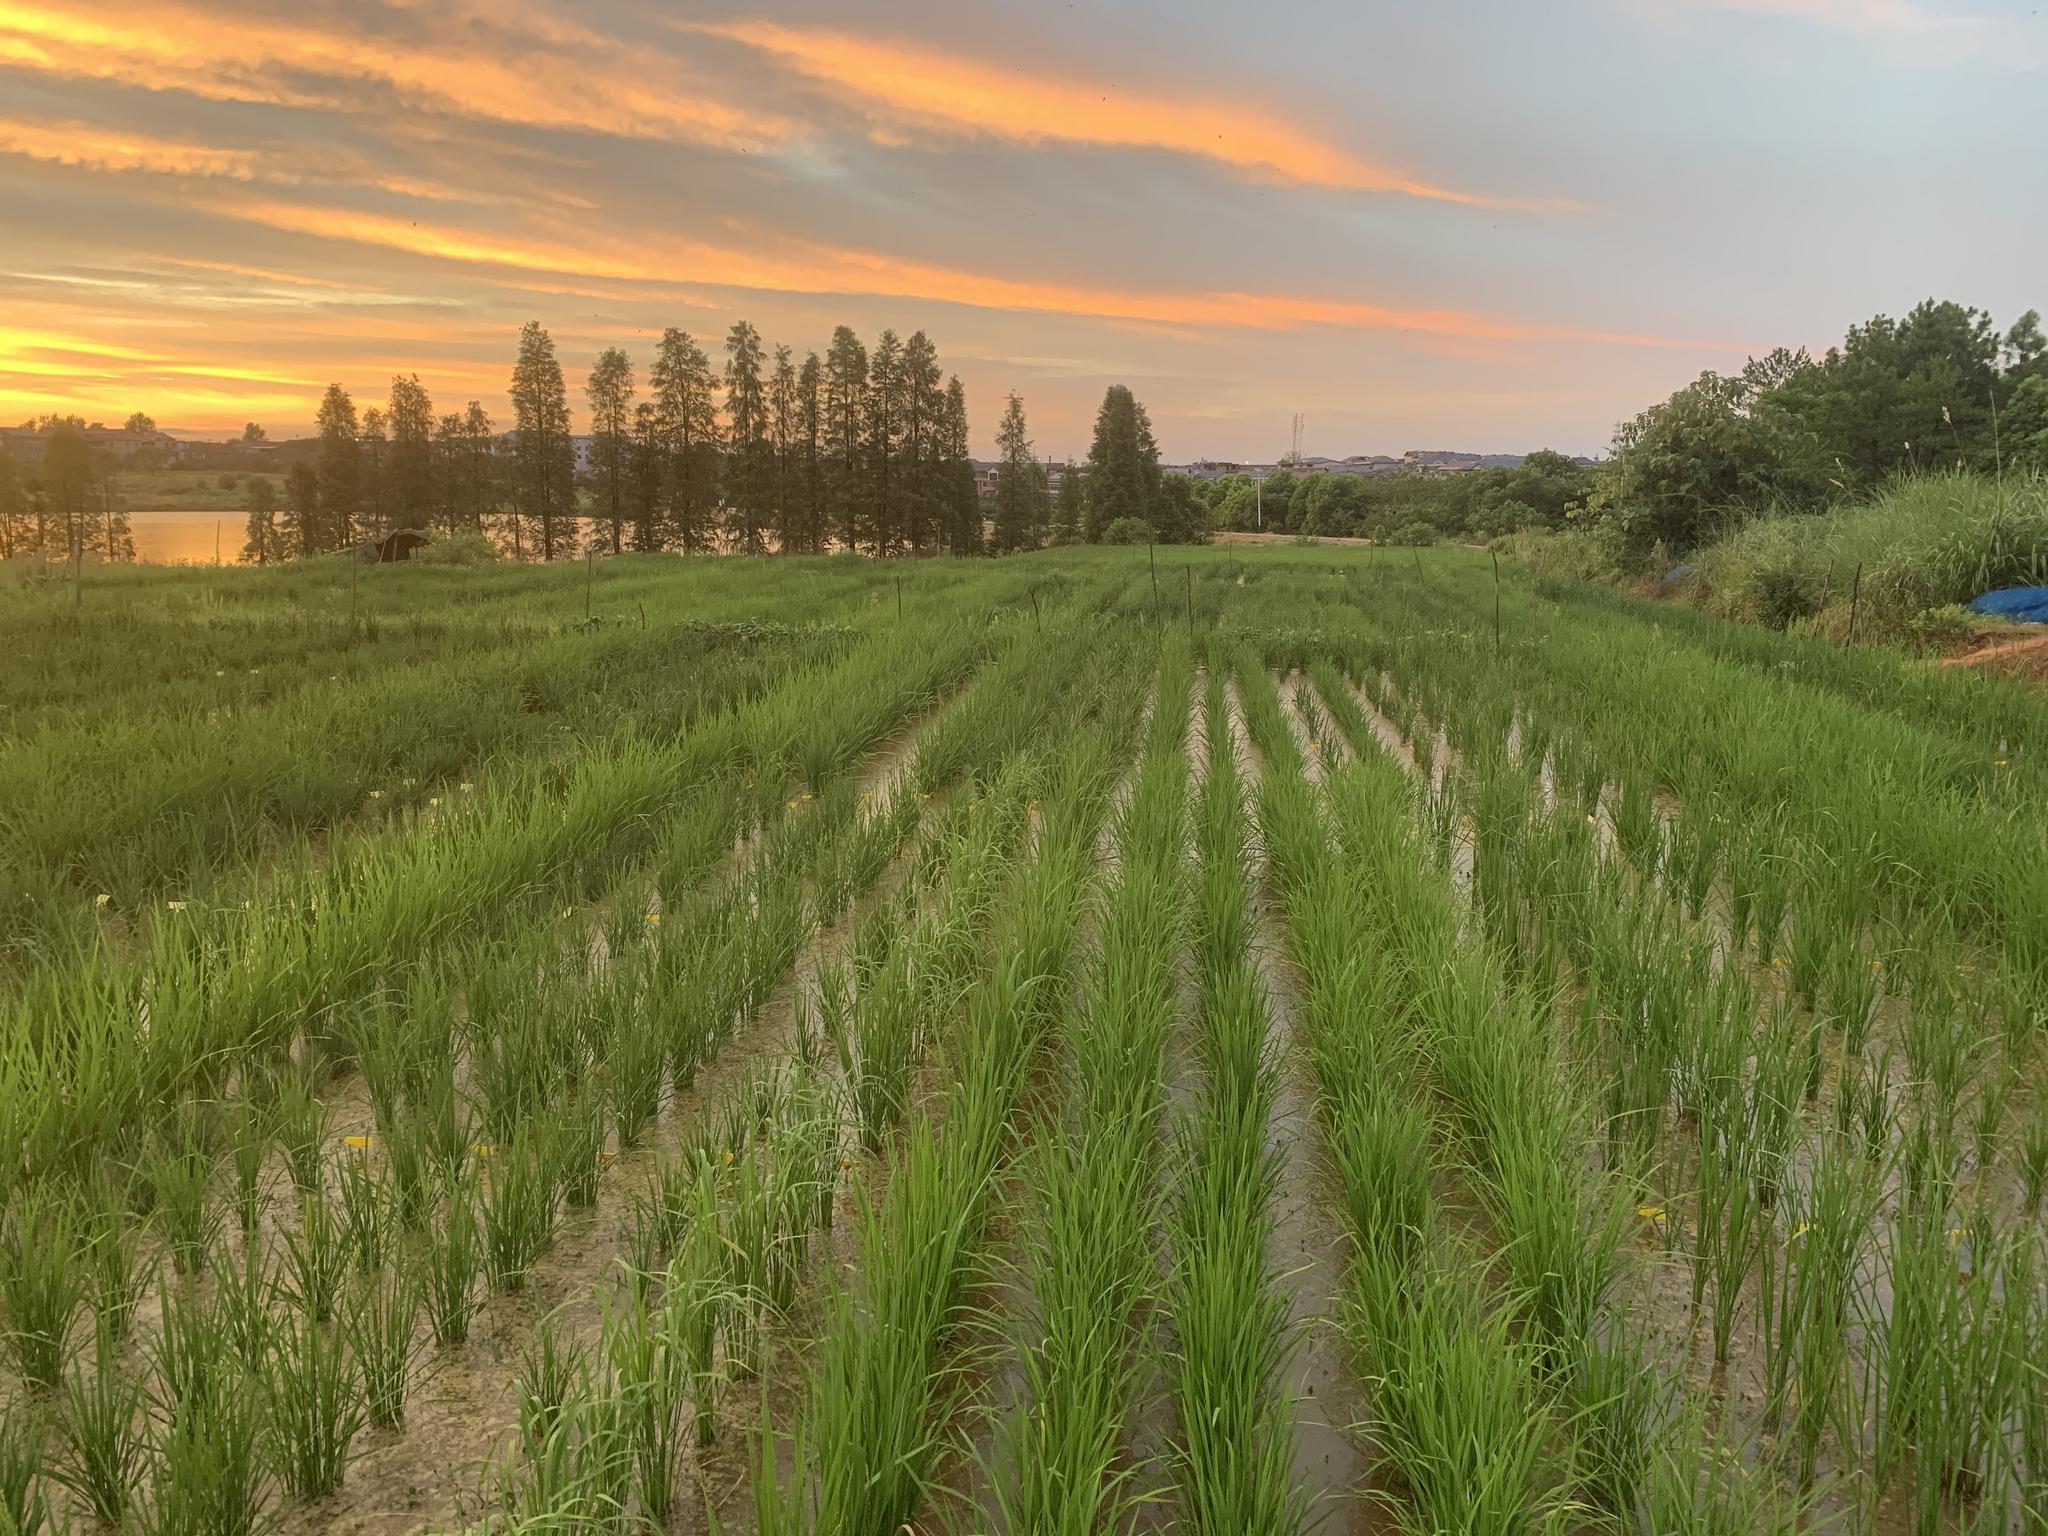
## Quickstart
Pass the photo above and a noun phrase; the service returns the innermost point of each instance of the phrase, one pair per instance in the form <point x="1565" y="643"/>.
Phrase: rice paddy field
<point x="1268" y="1040"/>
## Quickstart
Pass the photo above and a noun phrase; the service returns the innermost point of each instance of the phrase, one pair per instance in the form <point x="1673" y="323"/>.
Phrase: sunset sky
<point x="1453" y="225"/>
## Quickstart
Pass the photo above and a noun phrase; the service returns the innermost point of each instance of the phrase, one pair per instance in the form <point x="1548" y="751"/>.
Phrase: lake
<point x="187" y="538"/>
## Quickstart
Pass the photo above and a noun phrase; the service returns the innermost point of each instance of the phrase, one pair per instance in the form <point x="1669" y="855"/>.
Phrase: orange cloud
<point x="964" y="94"/>
<point x="552" y="76"/>
<point x="107" y="149"/>
<point x="664" y="261"/>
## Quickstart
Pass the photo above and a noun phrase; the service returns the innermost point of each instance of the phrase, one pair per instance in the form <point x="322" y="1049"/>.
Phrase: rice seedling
<point x="111" y="1243"/>
<point x="315" y="1405"/>
<point x="302" y="1128"/>
<point x="453" y="1261"/>
<point x="249" y="1143"/>
<point x="24" y="1505"/>
<point x="181" y="1183"/>
<point x="652" y="1380"/>
<point x="208" y="1474"/>
<point x="381" y="1322"/>
<point x="42" y="1286"/>
<point x="698" y="1301"/>
<point x="519" y="1207"/>
<point x="100" y="1425"/>
<point x="365" y="1212"/>
<point x="246" y="1295"/>
<point x="575" y="1150"/>
<point x="1456" y="1410"/>
<point x="1617" y="1407"/>
<point x="316" y="1259"/>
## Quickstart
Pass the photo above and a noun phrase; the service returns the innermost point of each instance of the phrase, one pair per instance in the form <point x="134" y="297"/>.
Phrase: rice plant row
<point x="1066" y="1454"/>
<point x="870" y="1437"/>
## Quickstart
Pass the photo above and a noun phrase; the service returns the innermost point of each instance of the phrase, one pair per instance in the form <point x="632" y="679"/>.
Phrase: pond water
<point x="187" y="538"/>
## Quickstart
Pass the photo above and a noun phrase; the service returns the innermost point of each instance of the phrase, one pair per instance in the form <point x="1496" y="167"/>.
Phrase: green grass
<point x="1672" y="986"/>
<point x="194" y="490"/>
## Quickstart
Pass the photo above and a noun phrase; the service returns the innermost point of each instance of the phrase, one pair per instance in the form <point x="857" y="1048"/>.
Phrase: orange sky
<point x="213" y="209"/>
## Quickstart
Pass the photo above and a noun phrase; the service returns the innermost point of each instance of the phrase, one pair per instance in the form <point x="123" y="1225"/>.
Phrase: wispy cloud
<point x="653" y="257"/>
<point x="1930" y="35"/>
<point x="902" y="84"/>
<point x="521" y="71"/>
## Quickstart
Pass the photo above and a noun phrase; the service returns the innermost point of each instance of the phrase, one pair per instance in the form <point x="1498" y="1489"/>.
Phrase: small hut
<point x="398" y="544"/>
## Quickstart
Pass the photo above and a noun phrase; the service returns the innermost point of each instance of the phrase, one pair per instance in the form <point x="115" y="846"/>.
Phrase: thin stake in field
<point x="1496" y="599"/>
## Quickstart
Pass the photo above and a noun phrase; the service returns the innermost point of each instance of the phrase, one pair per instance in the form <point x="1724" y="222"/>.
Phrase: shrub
<point x="1592" y="554"/>
<point x="1413" y="535"/>
<point x="1128" y="530"/>
<point x="1942" y="629"/>
<point x="458" y="549"/>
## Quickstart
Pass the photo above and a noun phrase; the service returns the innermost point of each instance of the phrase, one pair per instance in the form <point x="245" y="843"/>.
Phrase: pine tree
<point x="465" y="477"/>
<point x="924" y="407"/>
<point x="1020" y="484"/>
<point x="1067" y="507"/>
<point x="846" y="392"/>
<point x="687" y="415"/>
<point x="299" y="527"/>
<point x="643" y="477"/>
<point x="113" y="537"/>
<point x="409" y="474"/>
<point x="782" y="443"/>
<point x="610" y="393"/>
<point x="448" y="487"/>
<point x="1123" y="464"/>
<point x="545" y="487"/>
<point x="341" y="474"/>
<point x="71" y="486"/>
<point x="747" y="462"/>
<point x="884" y="432"/>
<point x="810" y="468"/>
<point x="16" y="529"/>
<point x="375" y="445"/>
<point x="265" y="543"/>
<point x="962" y="496"/>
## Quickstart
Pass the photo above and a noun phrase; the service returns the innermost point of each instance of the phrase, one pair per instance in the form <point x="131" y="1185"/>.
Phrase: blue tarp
<point x="2023" y="605"/>
<point x="1678" y="572"/>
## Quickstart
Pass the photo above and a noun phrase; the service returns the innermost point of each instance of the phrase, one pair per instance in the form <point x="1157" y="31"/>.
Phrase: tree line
<point x="1943" y="388"/>
<point x="754" y="452"/>
<point x="65" y="506"/>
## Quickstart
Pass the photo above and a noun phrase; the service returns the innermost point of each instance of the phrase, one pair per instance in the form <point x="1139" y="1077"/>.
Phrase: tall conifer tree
<point x="687" y="414"/>
<point x="409" y="497"/>
<point x="609" y="392"/>
<point x="846" y="393"/>
<point x="341" y="474"/>
<point x="884" y="433"/>
<point x="544" y="451"/>
<point x="746" y="411"/>
<point x="1020" y="483"/>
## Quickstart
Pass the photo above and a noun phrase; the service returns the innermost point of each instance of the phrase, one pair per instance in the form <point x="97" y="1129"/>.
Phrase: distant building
<point x="988" y="471"/>
<point x="27" y="445"/>
<point x="1439" y="460"/>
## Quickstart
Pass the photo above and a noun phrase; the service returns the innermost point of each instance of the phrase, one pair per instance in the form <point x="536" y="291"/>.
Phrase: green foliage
<point x="1123" y="479"/>
<point x="1922" y="544"/>
<point x="1896" y="397"/>
<point x="1128" y="530"/>
<point x="1021" y="506"/>
<point x="467" y="549"/>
